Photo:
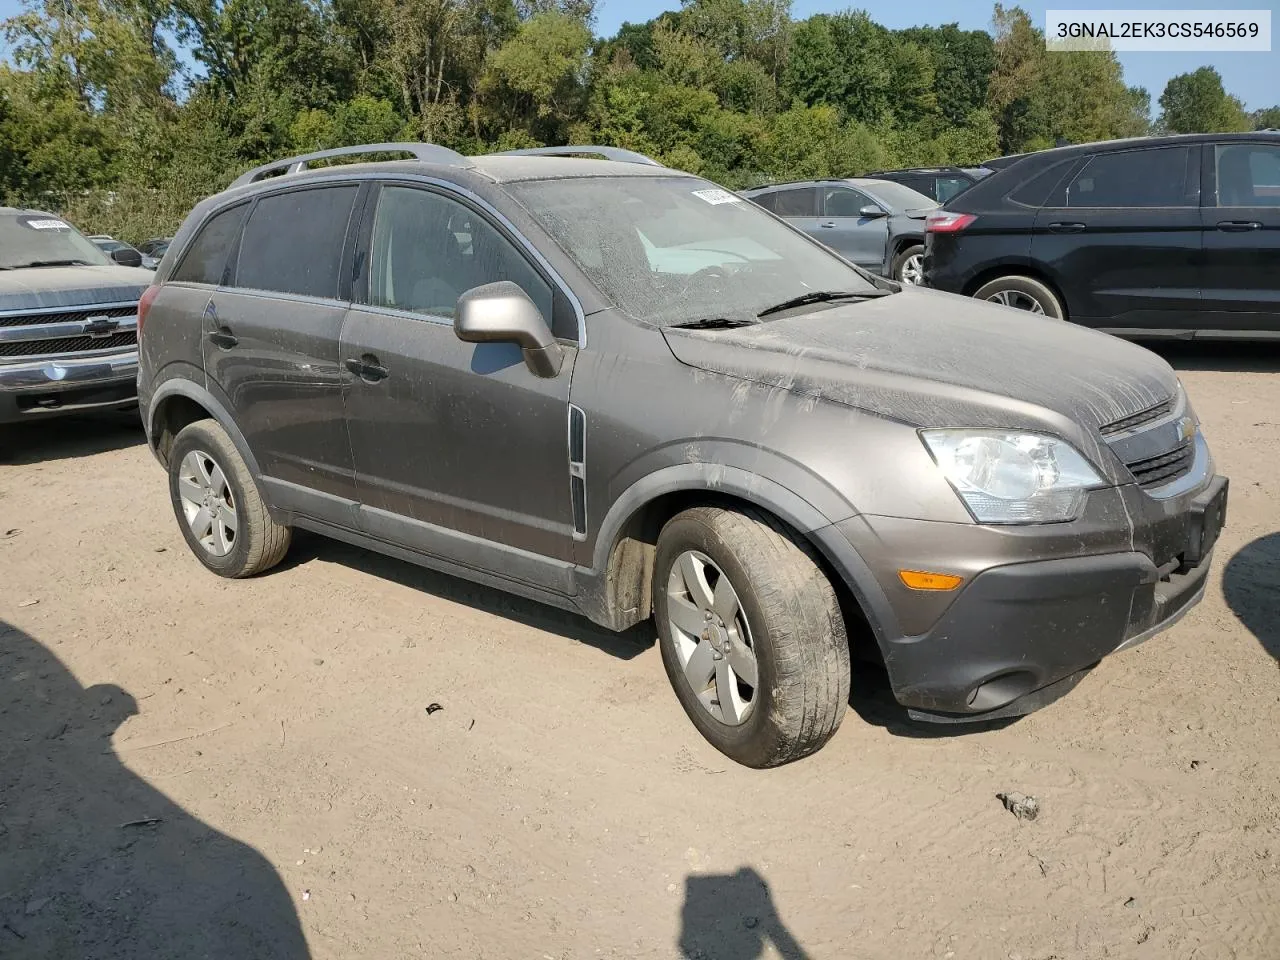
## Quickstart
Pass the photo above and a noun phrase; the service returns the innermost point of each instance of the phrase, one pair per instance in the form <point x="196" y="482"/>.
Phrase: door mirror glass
<point x="127" y="257"/>
<point x="870" y="211"/>
<point x="503" y="313"/>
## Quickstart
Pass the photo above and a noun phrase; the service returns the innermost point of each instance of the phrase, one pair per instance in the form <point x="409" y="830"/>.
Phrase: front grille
<point x="1157" y="471"/>
<point x="1138" y="419"/>
<point x="65" y="345"/>
<point x="70" y="316"/>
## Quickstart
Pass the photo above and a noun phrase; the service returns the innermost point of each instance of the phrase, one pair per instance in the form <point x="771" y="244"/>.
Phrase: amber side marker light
<point x="919" y="580"/>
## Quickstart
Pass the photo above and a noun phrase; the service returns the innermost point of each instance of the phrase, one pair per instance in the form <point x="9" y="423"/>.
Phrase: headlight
<point x="1005" y="477"/>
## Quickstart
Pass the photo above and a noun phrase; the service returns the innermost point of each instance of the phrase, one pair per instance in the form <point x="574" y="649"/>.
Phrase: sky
<point x="1253" y="77"/>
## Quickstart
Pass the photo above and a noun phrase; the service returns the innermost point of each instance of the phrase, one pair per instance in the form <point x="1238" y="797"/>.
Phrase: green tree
<point x="1266" y="119"/>
<point x="1197" y="103"/>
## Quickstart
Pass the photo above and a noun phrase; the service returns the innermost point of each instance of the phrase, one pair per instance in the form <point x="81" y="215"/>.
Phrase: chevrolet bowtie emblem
<point x="100" y="326"/>
<point x="1186" y="428"/>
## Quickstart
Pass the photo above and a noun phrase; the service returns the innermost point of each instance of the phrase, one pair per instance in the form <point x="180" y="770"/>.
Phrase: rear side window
<point x="293" y="242"/>
<point x="1036" y="191"/>
<point x="1140" y="178"/>
<point x="801" y="202"/>
<point x="206" y="259"/>
<point x="767" y="200"/>
<point x="1248" y="175"/>
<point x="947" y="187"/>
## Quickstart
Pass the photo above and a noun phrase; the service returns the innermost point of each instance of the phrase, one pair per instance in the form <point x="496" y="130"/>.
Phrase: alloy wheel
<point x="1018" y="300"/>
<point x="207" y="503"/>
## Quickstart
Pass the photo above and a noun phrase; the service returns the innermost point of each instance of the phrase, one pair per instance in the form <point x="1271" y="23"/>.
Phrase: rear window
<point x="1139" y="178"/>
<point x="293" y="242"/>
<point x="206" y="260"/>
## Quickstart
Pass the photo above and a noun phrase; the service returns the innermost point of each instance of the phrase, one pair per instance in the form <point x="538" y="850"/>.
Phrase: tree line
<point x="123" y="113"/>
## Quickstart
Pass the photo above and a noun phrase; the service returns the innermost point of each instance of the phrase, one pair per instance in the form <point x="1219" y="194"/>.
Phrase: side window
<point x="206" y="258"/>
<point x="947" y="187"/>
<point x="1248" y="175"/>
<point x="293" y="242"/>
<point x="1038" y="191"/>
<point x="427" y="250"/>
<point x="1162" y="177"/>
<point x="843" y="202"/>
<point x="923" y="185"/>
<point x="800" y="202"/>
<point x="767" y="200"/>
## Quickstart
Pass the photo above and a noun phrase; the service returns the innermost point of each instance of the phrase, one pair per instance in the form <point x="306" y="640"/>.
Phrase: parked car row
<point x="625" y="391"/>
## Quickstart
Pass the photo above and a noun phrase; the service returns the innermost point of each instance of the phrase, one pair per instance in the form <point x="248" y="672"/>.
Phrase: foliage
<point x="123" y="113"/>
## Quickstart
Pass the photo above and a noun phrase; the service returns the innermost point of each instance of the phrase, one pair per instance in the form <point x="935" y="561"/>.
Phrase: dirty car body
<point x="700" y="359"/>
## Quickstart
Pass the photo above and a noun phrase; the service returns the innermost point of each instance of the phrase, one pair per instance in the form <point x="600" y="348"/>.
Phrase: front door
<point x="1242" y="238"/>
<point x="844" y="229"/>
<point x="1122" y="241"/>
<point x="271" y="344"/>
<point x="459" y="449"/>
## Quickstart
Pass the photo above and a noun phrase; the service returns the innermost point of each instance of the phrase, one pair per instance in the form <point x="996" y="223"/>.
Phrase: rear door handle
<point x="223" y="338"/>
<point x="1066" y="227"/>
<point x="827" y="224"/>
<point x="367" y="368"/>
<point x="1238" y="226"/>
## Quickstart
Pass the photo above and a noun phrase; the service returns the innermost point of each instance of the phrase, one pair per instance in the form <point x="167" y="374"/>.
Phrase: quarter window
<point x="293" y="242"/>
<point x="206" y="260"/>
<point x="1165" y="177"/>
<point x="428" y="250"/>
<point x="1248" y="175"/>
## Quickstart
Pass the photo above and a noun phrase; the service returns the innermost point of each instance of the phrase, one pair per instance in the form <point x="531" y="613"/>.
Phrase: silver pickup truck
<point x="68" y="320"/>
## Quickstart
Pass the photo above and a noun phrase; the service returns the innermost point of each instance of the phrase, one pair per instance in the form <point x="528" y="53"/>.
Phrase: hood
<point x="937" y="360"/>
<point x="34" y="288"/>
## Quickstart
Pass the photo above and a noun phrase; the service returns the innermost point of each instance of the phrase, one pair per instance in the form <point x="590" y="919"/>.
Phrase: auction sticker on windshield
<point x="717" y="196"/>
<point x="46" y="224"/>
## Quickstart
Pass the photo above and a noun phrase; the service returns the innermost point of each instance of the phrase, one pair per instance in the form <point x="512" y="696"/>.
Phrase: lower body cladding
<point x="35" y="389"/>
<point x="1038" y="606"/>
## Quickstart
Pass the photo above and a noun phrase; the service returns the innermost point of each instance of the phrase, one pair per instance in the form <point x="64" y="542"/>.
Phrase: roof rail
<point x="426" y="152"/>
<point x="609" y="153"/>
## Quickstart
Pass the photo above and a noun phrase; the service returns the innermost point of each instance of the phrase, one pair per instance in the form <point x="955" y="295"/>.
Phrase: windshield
<point x="897" y="195"/>
<point x="673" y="250"/>
<point x="33" y="238"/>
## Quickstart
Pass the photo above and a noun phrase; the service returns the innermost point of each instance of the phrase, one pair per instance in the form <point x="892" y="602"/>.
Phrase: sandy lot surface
<point x="560" y="805"/>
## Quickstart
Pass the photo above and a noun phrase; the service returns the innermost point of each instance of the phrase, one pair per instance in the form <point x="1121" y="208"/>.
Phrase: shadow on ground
<point x="94" y="862"/>
<point x="1251" y="584"/>
<point x="65" y="438"/>
<point x="1261" y="357"/>
<point x="732" y="917"/>
<point x="308" y="546"/>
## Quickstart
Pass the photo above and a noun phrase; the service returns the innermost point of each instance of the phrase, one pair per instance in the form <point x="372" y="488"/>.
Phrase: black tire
<point x="796" y="631"/>
<point x="1018" y="287"/>
<point x="259" y="542"/>
<point x="900" y="263"/>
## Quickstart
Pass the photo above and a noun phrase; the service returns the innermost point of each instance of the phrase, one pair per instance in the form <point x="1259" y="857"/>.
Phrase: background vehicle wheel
<point x="218" y="506"/>
<point x="1022" y="293"/>
<point x="751" y="635"/>
<point x="908" y="266"/>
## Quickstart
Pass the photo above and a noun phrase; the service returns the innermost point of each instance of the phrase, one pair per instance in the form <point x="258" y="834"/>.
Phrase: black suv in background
<point x="1154" y="237"/>
<point x="936" y="183"/>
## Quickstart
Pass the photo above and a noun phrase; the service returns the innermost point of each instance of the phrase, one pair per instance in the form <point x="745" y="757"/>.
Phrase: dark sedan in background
<point x="877" y="224"/>
<point x="1174" y="236"/>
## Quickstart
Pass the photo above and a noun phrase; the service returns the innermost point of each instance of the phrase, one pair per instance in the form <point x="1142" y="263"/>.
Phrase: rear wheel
<point x="219" y="508"/>
<point x="1022" y="293"/>
<point x="908" y="265"/>
<point x="751" y="635"/>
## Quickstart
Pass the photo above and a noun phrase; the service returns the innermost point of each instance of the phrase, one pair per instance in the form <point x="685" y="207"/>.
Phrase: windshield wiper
<point x="712" y="323"/>
<point x="822" y="296"/>
<point x="55" y="263"/>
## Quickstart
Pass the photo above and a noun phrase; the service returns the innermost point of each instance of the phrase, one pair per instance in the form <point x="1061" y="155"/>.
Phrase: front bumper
<point x="1023" y="631"/>
<point x="31" y="391"/>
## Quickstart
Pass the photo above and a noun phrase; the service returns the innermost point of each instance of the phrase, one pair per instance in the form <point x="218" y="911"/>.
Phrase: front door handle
<point x="367" y="368"/>
<point x="1238" y="226"/>
<point x="1066" y="227"/>
<point x="827" y="224"/>
<point x="223" y="338"/>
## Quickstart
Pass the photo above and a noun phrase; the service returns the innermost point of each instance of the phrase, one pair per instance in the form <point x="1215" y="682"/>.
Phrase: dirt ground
<point x="560" y="805"/>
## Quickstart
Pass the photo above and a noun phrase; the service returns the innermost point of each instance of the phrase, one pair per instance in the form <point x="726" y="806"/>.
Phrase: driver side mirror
<point x="503" y="313"/>
<point x="871" y="212"/>
<point x="127" y="257"/>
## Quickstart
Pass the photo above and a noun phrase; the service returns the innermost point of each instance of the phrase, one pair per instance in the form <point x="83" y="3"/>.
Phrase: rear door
<point x="1122" y="241"/>
<point x="271" y="344"/>
<point x="1242" y="237"/>
<point x="844" y="229"/>
<point x="797" y="205"/>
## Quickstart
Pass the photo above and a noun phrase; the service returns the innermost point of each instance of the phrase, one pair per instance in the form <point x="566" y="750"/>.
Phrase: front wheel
<point x="1022" y="293"/>
<point x="751" y="635"/>
<point x="908" y="266"/>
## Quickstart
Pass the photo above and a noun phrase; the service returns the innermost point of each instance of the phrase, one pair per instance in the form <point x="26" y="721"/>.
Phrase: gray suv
<point x="68" y="319"/>
<point x="622" y="390"/>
